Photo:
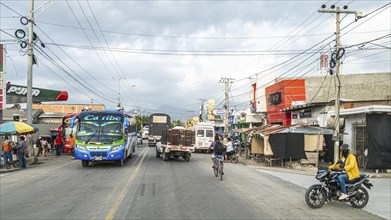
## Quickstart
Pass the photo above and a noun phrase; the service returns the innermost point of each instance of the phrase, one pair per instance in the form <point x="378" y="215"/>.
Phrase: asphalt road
<point x="150" y="188"/>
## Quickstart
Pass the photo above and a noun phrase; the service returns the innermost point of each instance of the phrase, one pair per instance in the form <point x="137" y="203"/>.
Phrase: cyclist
<point x="217" y="151"/>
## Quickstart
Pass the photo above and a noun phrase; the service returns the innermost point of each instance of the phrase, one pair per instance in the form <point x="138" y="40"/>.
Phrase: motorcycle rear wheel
<point x="360" y="199"/>
<point x="234" y="159"/>
<point x="315" y="197"/>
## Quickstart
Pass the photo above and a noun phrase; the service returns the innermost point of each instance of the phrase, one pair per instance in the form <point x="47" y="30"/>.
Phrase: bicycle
<point x="219" y="165"/>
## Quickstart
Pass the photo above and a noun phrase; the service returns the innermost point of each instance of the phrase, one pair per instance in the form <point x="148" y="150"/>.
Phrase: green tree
<point x="177" y="123"/>
<point x="141" y="120"/>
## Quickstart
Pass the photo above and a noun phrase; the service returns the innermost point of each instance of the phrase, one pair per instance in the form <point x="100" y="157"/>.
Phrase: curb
<point x="29" y="162"/>
<point x="9" y="170"/>
<point x="304" y="171"/>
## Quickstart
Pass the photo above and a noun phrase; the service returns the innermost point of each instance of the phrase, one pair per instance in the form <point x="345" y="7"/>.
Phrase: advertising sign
<point x="18" y="94"/>
<point x="211" y="106"/>
<point x="219" y="112"/>
<point x="159" y="119"/>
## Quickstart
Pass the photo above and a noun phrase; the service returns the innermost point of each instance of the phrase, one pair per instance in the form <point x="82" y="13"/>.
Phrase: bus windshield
<point x="100" y="128"/>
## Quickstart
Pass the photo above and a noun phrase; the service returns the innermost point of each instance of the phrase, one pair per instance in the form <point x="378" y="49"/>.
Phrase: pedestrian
<point x="45" y="146"/>
<point x="39" y="146"/>
<point x="14" y="146"/>
<point x="58" y="144"/>
<point x="6" y="146"/>
<point x="71" y="142"/>
<point x="21" y="152"/>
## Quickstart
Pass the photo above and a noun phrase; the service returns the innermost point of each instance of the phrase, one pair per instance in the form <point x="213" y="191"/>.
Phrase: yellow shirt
<point x="351" y="167"/>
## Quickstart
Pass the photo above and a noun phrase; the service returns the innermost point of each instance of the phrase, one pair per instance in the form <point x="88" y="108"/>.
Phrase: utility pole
<point x="338" y="56"/>
<point x="202" y="102"/>
<point x="119" y="92"/>
<point x="226" y="82"/>
<point x="30" y="58"/>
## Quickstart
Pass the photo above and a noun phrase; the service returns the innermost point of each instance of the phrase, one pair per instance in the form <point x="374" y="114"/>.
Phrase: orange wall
<point x="291" y="90"/>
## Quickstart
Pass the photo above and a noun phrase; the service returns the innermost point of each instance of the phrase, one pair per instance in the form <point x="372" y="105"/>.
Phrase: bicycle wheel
<point x="221" y="173"/>
<point x="215" y="170"/>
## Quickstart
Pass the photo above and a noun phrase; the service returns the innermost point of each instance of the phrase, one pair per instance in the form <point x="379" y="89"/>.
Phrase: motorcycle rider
<point x="347" y="163"/>
<point x="229" y="149"/>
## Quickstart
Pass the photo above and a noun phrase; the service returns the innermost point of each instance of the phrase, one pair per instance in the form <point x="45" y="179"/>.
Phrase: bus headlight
<point x="115" y="148"/>
<point x="81" y="148"/>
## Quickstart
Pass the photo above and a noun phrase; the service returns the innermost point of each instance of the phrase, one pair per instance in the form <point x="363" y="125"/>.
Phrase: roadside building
<point x="311" y="101"/>
<point x="281" y="95"/>
<point x="369" y="128"/>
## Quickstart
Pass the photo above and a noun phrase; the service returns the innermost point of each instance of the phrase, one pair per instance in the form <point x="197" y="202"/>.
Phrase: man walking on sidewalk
<point x="58" y="144"/>
<point x="21" y="152"/>
<point x="71" y="142"/>
<point x="6" y="146"/>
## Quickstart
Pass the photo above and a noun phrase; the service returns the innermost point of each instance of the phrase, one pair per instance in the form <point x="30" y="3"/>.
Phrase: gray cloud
<point x="178" y="79"/>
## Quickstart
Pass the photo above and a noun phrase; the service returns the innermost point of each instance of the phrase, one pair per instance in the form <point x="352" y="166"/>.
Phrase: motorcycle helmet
<point x="345" y="147"/>
<point x="345" y="150"/>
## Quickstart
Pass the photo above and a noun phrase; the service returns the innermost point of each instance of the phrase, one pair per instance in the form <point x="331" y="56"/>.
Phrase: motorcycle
<point x="234" y="158"/>
<point x="239" y="146"/>
<point x="316" y="195"/>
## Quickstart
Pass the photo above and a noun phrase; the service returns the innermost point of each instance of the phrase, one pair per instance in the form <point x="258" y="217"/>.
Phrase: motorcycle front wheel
<point x="216" y="169"/>
<point x="220" y="173"/>
<point x="360" y="198"/>
<point x="315" y="196"/>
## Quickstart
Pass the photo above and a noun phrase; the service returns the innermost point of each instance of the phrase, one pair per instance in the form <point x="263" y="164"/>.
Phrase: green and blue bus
<point x="107" y="135"/>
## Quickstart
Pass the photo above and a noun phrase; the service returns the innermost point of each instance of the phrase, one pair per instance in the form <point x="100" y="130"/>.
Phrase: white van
<point x="145" y="132"/>
<point x="204" y="135"/>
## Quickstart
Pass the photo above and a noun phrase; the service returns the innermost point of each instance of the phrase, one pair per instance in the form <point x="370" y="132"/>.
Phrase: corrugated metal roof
<point x="305" y="129"/>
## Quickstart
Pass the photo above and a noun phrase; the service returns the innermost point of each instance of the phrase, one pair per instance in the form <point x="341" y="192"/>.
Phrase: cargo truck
<point x="176" y="142"/>
<point x="157" y="123"/>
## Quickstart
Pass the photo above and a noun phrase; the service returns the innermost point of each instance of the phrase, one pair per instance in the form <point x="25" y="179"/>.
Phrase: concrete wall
<point x="66" y="108"/>
<point x="318" y="117"/>
<point x="350" y="122"/>
<point x="44" y="129"/>
<point x="358" y="87"/>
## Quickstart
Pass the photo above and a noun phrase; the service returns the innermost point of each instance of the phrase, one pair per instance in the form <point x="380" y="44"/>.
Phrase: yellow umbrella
<point x="16" y="127"/>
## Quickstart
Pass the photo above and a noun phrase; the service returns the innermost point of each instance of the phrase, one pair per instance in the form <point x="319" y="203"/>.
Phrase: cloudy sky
<point x="174" y="53"/>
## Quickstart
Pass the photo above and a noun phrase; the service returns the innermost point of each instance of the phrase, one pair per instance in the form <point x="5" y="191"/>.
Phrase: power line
<point x="89" y="40"/>
<point x="11" y="9"/>
<point x="72" y="59"/>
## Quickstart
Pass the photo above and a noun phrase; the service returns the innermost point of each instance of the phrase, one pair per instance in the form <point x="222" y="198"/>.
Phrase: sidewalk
<point x="30" y="163"/>
<point x="303" y="170"/>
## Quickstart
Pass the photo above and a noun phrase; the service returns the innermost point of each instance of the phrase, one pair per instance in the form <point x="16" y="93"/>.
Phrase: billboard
<point x="18" y="94"/>
<point x="211" y="107"/>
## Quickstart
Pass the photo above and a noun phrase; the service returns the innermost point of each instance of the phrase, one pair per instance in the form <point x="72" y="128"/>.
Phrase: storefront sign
<point x="18" y="94"/>
<point x="274" y="98"/>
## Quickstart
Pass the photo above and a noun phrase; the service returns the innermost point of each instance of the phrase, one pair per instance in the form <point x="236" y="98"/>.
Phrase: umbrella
<point x="16" y="127"/>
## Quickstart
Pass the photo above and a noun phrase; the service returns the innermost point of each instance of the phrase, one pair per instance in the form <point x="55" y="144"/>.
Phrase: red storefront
<point x="281" y="95"/>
